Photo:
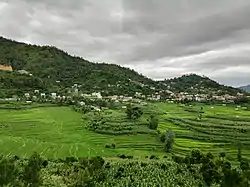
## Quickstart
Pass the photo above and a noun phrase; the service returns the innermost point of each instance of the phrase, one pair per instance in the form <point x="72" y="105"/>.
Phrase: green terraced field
<point x="221" y="128"/>
<point x="57" y="132"/>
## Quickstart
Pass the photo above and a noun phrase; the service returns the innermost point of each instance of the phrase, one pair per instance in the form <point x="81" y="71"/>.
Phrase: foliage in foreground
<point x="196" y="169"/>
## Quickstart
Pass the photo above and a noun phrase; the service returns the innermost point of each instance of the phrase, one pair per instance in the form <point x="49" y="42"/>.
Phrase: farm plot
<point x="58" y="132"/>
<point x="220" y="128"/>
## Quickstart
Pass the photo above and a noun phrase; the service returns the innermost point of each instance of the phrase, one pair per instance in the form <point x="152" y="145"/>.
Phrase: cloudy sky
<point x="159" y="38"/>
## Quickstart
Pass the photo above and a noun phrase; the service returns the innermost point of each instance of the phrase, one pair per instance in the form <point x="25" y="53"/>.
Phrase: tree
<point x="7" y="171"/>
<point x="133" y="112"/>
<point x="222" y="155"/>
<point x="153" y="122"/>
<point x="169" y="140"/>
<point x="239" y="156"/>
<point x="32" y="170"/>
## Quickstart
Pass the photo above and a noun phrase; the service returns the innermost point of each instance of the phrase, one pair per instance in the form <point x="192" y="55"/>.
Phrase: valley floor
<point x="59" y="132"/>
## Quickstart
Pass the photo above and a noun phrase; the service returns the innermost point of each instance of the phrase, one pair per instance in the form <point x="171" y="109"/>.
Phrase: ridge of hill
<point x="54" y="70"/>
<point x="196" y="84"/>
<point x="58" y="70"/>
<point x="245" y="88"/>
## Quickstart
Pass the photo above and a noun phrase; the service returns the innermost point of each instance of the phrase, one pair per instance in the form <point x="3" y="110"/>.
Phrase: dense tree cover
<point x="153" y="122"/>
<point x="193" y="83"/>
<point x="51" y="64"/>
<point x="218" y="171"/>
<point x="242" y="101"/>
<point x="59" y="71"/>
<point x="196" y="169"/>
<point x="12" y="83"/>
<point x="133" y="112"/>
<point x="168" y="139"/>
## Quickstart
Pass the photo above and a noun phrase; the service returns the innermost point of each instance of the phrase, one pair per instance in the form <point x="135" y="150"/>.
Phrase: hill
<point x="60" y="71"/>
<point x="57" y="71"/>
<point x="246" y="88"/>
<point x="195" y="84"/>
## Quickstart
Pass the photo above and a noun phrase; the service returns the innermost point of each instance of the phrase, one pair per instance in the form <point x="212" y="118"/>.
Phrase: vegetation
<point x="222" y="128"/>
<point x="59" y="71"/>
<point x="59" y="132"/>
<point x="169" y="140"/>
<point x="195" y="169"/>
<point x="13" y="83"/>
<point x="116" y="122"/>
<point x="133" y="112"/>
<point x="53" y="70"/>
<point x="196" y="84"/>
<point x="153" y="122"/>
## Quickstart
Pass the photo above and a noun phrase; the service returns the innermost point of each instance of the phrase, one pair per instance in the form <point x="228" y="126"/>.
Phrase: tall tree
<point x="169" y="140"/>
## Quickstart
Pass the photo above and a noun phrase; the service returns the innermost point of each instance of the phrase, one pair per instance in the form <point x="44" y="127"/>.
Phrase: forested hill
<point x="193" y="83"/>
<point x="59" y="70"/>
<point x="54" y="70"/>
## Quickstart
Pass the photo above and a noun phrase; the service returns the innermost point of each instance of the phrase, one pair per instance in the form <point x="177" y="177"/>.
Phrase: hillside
<point x="60" y="70"/>
<point x="246" y="88"/>
<point x="57" y="71"/>
<point x="196" y="84"/>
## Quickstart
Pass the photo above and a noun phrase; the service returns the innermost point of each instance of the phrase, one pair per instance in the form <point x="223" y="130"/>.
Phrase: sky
<point x="158" y="38"/>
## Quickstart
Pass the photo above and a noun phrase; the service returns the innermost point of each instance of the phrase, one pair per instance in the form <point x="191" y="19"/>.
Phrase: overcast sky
<point x="158" y="38"/>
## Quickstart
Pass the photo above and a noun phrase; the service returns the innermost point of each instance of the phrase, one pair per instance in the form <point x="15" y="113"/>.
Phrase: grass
<point x="218" y="131"/>
<point x="58" y="132"/>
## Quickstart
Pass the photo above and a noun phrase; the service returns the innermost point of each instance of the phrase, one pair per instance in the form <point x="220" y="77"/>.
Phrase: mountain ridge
<point x="58" y="71"/>
<point x="245" y="88"/>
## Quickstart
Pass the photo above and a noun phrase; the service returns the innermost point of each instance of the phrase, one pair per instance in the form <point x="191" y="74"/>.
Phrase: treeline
<point x="196" y="169"/>
<point x="218" y="170"/>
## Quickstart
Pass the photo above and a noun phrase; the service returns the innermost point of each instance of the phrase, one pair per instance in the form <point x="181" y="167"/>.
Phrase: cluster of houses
<point x="139" y="97"/>
<point x="203" y="97"/>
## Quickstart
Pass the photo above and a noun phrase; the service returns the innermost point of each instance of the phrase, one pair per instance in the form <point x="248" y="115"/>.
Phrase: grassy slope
<point x="182" y="145"/>
<point x="59" y="132"/>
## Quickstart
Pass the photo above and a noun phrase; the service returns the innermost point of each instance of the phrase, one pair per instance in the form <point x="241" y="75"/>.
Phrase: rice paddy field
<point x="221" y="128"/>
<point x="58" y="132"/>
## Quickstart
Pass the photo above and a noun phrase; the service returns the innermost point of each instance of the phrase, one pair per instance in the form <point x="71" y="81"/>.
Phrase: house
<point x="42" y="94"/>
<point x="98" y="95"/>
<point x="27" y="95"/>
<point x="82" y="103"/>
<point x="36" y="91"/>
<point x="23" y="72"/>
<point x="53" y="95"/>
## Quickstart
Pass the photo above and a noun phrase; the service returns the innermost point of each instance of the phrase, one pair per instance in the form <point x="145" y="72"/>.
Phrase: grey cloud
<point x="160" y="38"/>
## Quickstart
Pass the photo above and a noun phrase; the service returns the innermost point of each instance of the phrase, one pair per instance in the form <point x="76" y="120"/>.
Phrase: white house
<point x="36" y="91"/>
<point x="82" y="103"/>
<point x="42" y="95"/>
<point x="53" y="95"/>
<point x="27" y="95"/>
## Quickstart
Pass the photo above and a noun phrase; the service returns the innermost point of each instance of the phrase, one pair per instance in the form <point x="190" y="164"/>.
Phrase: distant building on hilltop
<point x="6" y="67"/>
